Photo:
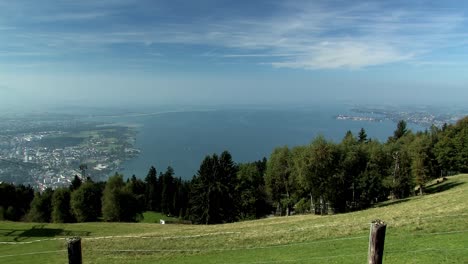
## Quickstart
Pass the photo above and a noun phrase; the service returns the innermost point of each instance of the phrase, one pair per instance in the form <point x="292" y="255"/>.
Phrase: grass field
<point x="153" y="217"/>
<point x="425" y="229"/>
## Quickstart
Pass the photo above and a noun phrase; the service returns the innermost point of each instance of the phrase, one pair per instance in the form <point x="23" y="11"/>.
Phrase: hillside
<point x="422" y="229"/>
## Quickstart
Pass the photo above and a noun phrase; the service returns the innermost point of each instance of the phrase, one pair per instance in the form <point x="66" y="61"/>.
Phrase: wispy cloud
<point x="345" y="55"/>
<point x="309" y="36"/>
<point x="61" y="17"/>
<point x="255" y="55"/>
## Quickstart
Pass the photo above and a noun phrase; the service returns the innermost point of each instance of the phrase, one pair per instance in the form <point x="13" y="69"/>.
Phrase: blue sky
<point x="123" y="52"/>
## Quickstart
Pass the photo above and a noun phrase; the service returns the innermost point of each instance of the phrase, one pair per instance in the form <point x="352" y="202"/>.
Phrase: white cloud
<point x="345" y="55"/>
<point x="310" y="36"/>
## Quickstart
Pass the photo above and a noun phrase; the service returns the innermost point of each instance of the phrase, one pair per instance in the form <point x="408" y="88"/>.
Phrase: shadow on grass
<point x="38" y="231"/>
<point x="440" y="187"/>
<point x="430" y="189"/>
<point x="392" y="202"/>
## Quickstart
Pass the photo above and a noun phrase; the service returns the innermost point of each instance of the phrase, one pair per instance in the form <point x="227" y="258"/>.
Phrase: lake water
<point x="183" y="139"/>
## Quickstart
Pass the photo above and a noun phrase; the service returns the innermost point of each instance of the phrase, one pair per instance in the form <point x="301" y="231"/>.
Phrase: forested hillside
<point x="320" y="178"/>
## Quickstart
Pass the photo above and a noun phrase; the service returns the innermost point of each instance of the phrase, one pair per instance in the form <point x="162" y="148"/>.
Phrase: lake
<point x="182" y="139"/>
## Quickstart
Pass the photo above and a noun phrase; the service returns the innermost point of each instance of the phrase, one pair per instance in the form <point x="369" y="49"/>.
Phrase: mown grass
<point x="423" y="229"/>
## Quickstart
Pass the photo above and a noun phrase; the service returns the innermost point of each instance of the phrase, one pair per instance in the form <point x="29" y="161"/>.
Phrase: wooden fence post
<point x="376" y="242"/>
<point x="74" y="250"/>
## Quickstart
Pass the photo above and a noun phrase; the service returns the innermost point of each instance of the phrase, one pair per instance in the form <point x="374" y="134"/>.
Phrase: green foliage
<point x="41" y="207"/>
<point x="352" y="159"/>
<point x="401" y="130"/>
<point x="138" y="188"/>
<point x="76" y="183"/>
<point x="86" y="202"/>
<point x="370" y="183"/>
<point x="424" y="165"/>
<point x="321" y="172"/>
<point x="167" y="191"/>
<point x="302" y="207"/>
<point x="279" y="178"/>
<point x="181" y="198"/>
<point x="15" y="201"/>
<point x="152" y="194"/>
<point x="452" y="149"/>
<point x="250" y="186"/>
<point x="362" y="136"/>
<point x="119" y="204"/>
<point x="400" y="180"/>
<point x="212" y="197"/>
<point x="61" y="211"/>
<point x="111" y="206"/>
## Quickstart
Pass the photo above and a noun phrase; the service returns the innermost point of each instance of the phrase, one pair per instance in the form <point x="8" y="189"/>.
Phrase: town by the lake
<point x="49" y="153"/>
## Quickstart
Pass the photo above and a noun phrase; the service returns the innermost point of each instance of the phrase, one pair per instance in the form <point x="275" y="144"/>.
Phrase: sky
<point x="150" y="52"/>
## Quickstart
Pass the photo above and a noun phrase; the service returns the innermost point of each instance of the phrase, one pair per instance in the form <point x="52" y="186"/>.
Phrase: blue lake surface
<point x="183" y="139"/>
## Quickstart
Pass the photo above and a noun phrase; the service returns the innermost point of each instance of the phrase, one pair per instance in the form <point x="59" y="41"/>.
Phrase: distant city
<point x="423" y="118"/>
<point x="49" y="153"/>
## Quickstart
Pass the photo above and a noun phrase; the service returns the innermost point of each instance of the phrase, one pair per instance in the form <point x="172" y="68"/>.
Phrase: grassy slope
<point x="428" y="229"/>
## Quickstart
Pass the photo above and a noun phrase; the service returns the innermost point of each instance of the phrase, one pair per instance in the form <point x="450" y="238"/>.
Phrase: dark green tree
<point x="15" y="201"/>
<point x="370" y="188"/>
<point x="119" y="204"/>
<point x="424" y="165"/>
<point x="352" y="163"/>
<point x="85" y="202"/>
<point x="111" y="208"/>
<point x="138" y="188"/>
<point x="419" y="171"/>
<point x="76" y="183"/>
<point x="180" y="197"/>
<point x="323" y="172"/>
<point x="211" y="198"/>
<point x="152" y="196"/>
<point x="167" y="191"/>
<point x="400" y="181"/>
<point x="279" y="180"/>
<point x="400" y="131"/>
<point x="227" y="171"/>
<point x="41" y="207"/>
<point x="362" y="136"/>
<point x="61" y="211"/>
<point x="452" y="148"/>
<point x="253" y="202"/>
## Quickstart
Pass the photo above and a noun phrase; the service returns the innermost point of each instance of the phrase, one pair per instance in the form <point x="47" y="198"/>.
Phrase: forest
<point x="322" y="177"/>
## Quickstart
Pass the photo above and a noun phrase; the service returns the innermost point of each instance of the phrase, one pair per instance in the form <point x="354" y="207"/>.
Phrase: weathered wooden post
<point x="74" y="250"/>
<point x="376" y="241"/>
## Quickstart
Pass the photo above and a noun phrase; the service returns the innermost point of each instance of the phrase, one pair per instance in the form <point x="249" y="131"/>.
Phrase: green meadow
<point x="432" y="228"/>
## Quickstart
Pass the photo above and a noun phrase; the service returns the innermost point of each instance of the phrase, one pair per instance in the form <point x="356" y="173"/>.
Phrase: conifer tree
<point x="151" y="195"/>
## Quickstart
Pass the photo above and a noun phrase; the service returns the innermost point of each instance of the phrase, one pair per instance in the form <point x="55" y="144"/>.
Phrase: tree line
<point x="319" y="178"/>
